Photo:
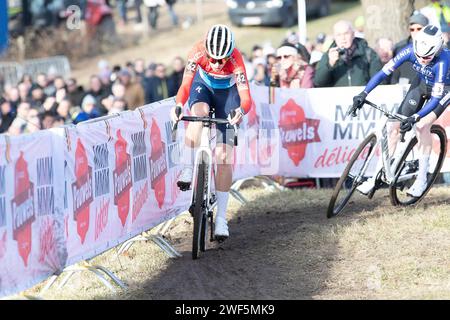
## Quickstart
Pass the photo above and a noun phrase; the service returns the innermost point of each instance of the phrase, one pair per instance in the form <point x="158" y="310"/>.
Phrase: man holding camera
<point x="349" y="61"/>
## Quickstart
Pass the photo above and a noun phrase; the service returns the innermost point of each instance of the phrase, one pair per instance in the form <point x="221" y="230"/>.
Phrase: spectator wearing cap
<point x="292" y="70"/>
<point x="405" y="73"/>
<point x="349" y="61"/>
<point x="134" y="92"/>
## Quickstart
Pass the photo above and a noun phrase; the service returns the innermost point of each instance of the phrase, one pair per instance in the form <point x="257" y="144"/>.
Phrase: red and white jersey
<point x="233" y="72"/>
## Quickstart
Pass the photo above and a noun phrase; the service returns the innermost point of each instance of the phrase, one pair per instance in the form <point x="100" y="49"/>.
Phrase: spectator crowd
<point x="48" y="100"/>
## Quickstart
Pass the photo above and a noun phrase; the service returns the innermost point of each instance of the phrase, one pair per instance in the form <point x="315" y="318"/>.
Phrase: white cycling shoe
<point x="417" y="189"/>
<point x="221" y="229"/>
<point x="366" y="186"/>
<point x="185" y="179"/>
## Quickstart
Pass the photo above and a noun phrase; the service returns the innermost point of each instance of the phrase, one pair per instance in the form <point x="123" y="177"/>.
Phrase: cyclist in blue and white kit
<point x="431" y="60"/>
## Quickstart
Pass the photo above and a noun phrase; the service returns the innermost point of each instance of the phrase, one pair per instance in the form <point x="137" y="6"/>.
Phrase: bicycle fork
<point x="204" y="155"/>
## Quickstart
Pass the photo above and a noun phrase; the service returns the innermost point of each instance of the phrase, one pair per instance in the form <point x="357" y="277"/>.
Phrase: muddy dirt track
<point x="283" y="250"/>
<point x="281" y="246"/>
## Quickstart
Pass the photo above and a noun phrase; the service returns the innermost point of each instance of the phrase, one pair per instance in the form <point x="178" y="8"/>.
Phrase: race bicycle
<point x="203" y="198"/>
<point x="398" y="172"/>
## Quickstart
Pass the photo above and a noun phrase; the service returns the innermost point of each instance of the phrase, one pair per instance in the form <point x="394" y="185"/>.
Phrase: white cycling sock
<point x="222" y="203"/>
<point x="424" y="161"/>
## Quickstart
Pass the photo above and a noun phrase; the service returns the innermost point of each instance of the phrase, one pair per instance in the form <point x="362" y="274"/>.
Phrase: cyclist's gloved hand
<point x="408" y="123"/>
<point x="239" y="114"/>
<point x="174" y="117"/>
<point x="358" y="101"/>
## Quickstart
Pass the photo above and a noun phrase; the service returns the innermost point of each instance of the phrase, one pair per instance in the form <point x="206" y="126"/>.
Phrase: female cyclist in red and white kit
<point x="214" y="77"/>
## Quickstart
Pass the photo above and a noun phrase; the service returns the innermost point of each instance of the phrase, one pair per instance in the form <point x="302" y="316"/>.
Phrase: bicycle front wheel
<point x="199" y="213"/>
<point x="406" y="172"/>
<point x="352" y="176"/>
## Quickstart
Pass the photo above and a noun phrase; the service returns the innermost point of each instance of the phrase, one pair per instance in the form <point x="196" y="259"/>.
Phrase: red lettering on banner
<point x="101" y="218"/>
<point x="139" y="200"/>
<point x="338" y="156"/>
<point x="47" y="241"/>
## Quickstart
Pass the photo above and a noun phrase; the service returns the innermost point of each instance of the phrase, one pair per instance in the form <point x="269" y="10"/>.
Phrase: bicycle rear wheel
<point x="351" y="177"/>
<point x="406" y="172"/>
<point x="199" y="212"/>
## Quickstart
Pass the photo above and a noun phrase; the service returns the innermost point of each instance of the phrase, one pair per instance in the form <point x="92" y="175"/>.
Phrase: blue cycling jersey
<point x="436" y="74"/>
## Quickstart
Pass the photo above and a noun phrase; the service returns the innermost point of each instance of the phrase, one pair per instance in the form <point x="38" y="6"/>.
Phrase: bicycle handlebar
<point x="388" y="114"/>
<point x="204" y="120"/>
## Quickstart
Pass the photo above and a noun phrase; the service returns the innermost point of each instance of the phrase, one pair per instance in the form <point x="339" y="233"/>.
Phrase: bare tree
<point x="387" y="18"/>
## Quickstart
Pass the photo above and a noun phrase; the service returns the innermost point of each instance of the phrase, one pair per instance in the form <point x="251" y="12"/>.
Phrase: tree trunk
<point x="387" y="19"/>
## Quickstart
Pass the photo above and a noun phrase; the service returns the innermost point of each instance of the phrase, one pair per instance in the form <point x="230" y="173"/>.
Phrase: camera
<point x="341" y="51"/>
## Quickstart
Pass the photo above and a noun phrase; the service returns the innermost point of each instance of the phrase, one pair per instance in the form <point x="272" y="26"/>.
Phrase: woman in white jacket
<point x="153" y="11"/>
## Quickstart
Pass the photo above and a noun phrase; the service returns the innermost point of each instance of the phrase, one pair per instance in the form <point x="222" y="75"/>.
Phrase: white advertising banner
<point x="121" y="180"/>
<point x="71" y="193"/>
<point x="32" y="240"/>
<point x="304" y="132"/>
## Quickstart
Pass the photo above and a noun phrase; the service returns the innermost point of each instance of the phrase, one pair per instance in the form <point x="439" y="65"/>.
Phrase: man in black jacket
<point x="348" y="62"/>
<point x="156" y="87"/>
<point x="175" y="79"/>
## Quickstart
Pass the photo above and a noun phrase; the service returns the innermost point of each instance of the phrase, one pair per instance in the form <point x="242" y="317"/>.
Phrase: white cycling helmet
<point x="428" y="42"/>
<point x="219" y="41"/>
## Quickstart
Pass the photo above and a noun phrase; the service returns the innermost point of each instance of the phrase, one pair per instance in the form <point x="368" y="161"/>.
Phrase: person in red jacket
<point x="214" y="77"/>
